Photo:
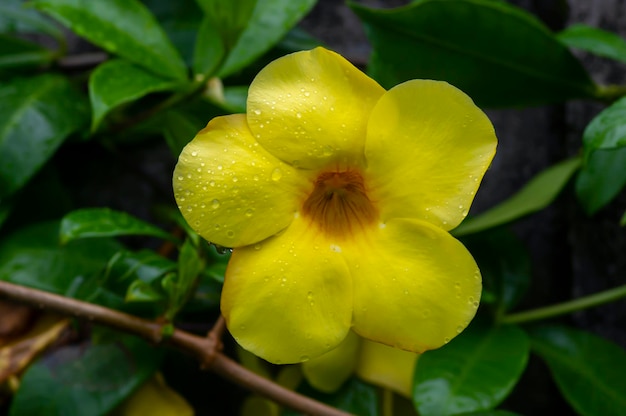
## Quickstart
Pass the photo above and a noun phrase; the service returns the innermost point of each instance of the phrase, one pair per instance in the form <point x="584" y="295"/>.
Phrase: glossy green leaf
<point x="601" y="178"/>
<point x="33" y="257"/>
<point x="127" y="267"/>
<point x="228" y="18"/>
<point x="504" y="263"/>
<point x="475" y="371"/>
<point x="594" y="40"/>
<point x="122" y="27"/>
<point x="18" y="16"/>
<point x="85" y="380"/>
<point x="608" y="129"/>
<point x="588" y="370"/>
<point x="179" y="285"/>
<point x="537" y="194"/>
<point x="104" y="222"/>
<point x="498" y="54"/>
<point x="117" y="82"/>
<point x="140" y="291"/>
<point x="270" y="21"/>
<point x="209" y="49"/>
<point x="16" y="53"/>
<point x="297" y="39"/>
<point x="36" y="115"/>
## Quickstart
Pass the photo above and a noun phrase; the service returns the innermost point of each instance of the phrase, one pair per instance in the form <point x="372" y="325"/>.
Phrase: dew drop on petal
<point x="230" y="234"/>
<point x="276" y="174"/>
<point x="298" y="115"/>
<point x="446" y="340"/>
<point x="459" y="329"/>
<point x="194" y="153"/>
<point x="215" y="204"/>
<point x="249" y="212"/>
<point x="257" y="246"/>
<point x="257" y="112"/>
<point x="304" y="358"/>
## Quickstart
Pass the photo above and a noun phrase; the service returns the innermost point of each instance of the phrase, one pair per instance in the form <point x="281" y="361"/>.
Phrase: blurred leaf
<point x="622" y="222"/>
<point x="259" y="406"/>
<point x="17" y="16"/>
<point x="355" y="397"/>
<point x="154" y="398"/>
<point x="179" y="285"/>
<point x="607" y="130"/>
<point x="180" y="19"/>
<point x="85" y="380"/>
<point x="16" y="53"/>
<point x="36" y="115"/>
<point x="6" y="206"/>
<point x="297" y="39"/>
<point x="178" y="129"/>
<point x="140" y="291"/>
<point x="33" y="257"/>
<point x="228" y="18"/>
<point x="235" y="99"/>
<point x="537" y="194"/>
<point x="145" y="265"/>
<point x="504" y="263"/>
<point x="491" y="413"/>
<point x="475" y="371"/>
<point x="104" y="222"/>
<point x="270" y="21"/>
<point x="588" y="370"/>
<point x="208" y="50"/>
<point x="601" y="178"/>
<point x="498" y="54"/>
<point x="117" y="82"/>
<point x="594" y="40"/>
<point x="123" y="27"/>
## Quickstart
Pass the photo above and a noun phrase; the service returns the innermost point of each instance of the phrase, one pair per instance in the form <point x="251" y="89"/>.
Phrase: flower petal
<point x="427" y="149"/>
<point x="311" y="108"/>
<point x="328" y="372"/>
<point x="230" y="189"/>
<point x="288" y="298"/>
<point x="415" y="286"/>
<point x="387" y="366"/>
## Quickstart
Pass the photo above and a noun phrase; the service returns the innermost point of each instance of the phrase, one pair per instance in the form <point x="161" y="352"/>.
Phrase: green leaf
<point x="17" y="16"/>
<point x="104" y="222"/>
<point x="491" y="413"/>
<point x="607" y="130"/>
<point x="127" y="267"/>
<point x="36" y="115"/>
<point x="85" y="380"/>
<point x="117" y="82"/>
<point x="16" y="53"/>
<point x="601" y="178"/>
<point x="297" y="39"/>
<point x="33" y="257"/>
<point x="123" y="27"/>
<point x="594" y="40"/>
<point x="475" y="371"/>
<point x="498" y="54"/>
<point x="588" y="370"/>
<point x="622" y="222"/>
<point x="504" y="264"/>
<point x="140" y="291"/>
<point x="228" y="18"/>
<point x="179" y="286"/>
<point x="208" y="50"/>
<point x="537" y="194"/>
<point x="6" y="206"/>
<point x="270" y="21"/>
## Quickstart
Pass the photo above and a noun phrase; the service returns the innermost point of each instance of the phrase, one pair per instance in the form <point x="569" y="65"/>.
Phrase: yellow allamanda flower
<point x="337" y="197"/>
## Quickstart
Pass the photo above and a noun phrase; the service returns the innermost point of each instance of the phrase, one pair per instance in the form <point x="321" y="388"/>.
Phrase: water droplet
<point x="180" y="178"/>
<point x="230" y="234"/>
<point x="235" y="179"/>
<point x="242" y="327"/>
<point x="194" y="153"/>
<point x="446" y="340"/>
<point x="276" y="174"/>
<point x="306" y="94"/>
<point x="220" y="167"/>
<point x="459" y="329"/>
<point x="257" y="246"/>
<point x="257" y="112"/>
<point x="255" y="178"/>
<point x="215" y="204"/>
<point x="211" y="183"/>
<point x="304" y="358"/>
<point x="425" y="313"/>
<point x="299" y="115"/>
<point x="249" y="212"/>
<point x="335" y="248"/>
<point x="457" y="285"/>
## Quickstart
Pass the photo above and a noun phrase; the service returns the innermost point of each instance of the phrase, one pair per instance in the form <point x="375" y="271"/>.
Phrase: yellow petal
<point x="328" y="372"/>
<point x="232" y="191"/>
<point x="415" y="286"/>
<point x="427" y="149"/>
<point x="386" y="366"/>
<point x="311" y="108"/>
<point x="155" y="398"/>
<point x="289" y="298"/>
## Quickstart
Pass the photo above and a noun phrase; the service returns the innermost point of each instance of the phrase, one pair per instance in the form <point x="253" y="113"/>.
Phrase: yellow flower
<point x="337" y="197"/>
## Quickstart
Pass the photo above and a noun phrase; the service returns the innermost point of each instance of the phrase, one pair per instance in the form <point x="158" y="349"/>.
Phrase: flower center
<point x="339" y="204"/>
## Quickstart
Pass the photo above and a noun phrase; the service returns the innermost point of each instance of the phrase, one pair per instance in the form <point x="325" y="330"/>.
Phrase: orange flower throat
<point x="339" y="204"/>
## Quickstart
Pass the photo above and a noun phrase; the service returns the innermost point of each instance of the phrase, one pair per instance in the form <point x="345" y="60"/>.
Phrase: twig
<point x="206" y="349"/>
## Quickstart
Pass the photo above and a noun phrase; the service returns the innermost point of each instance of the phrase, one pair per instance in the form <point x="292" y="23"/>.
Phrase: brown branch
<point x="206" y="349"/>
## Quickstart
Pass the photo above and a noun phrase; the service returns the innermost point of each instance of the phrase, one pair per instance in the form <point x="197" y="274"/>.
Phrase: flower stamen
<point x="339" y="204"/>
